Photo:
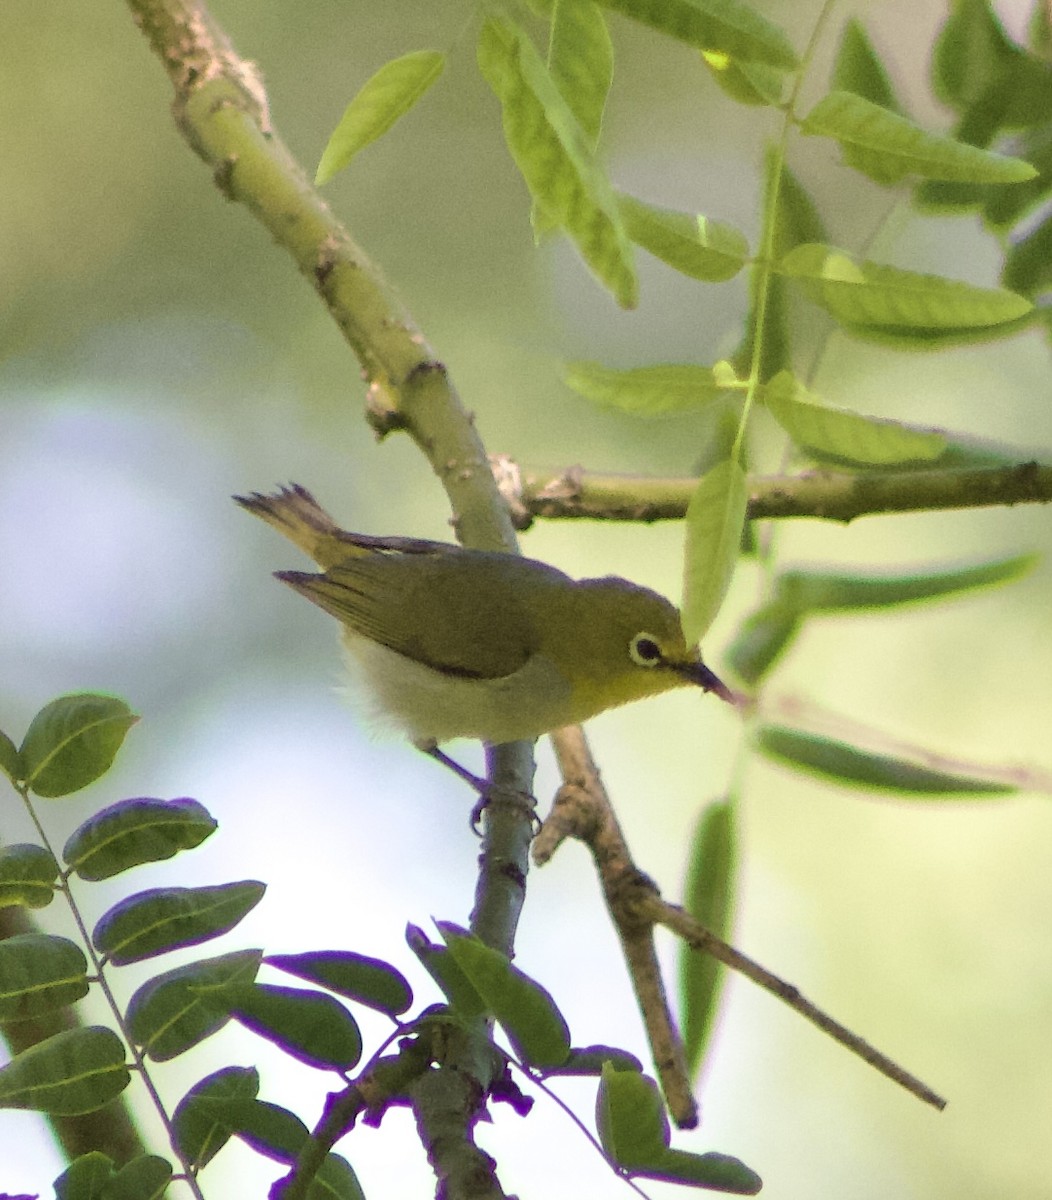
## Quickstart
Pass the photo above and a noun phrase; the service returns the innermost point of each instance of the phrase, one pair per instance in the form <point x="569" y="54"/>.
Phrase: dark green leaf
<point x="72" y="741"/>
<point x="335" y="1180"/>
<point x="85" y="1177"/>
<point x="444" y="970"/>
<point x="844" y="762"/>
<point x="383" y="98"/>
<point x="143" y="1178"/>
<point x="1028" y="264"/>
<point x="27" y="876"/>
<point x="866" y="295"/>
<point x="199" y="1129"/>
<point x="634" y="1133"/>
<point x="762" y="638"/>
<point x="552" y="153"/>
<point x="10" y="759"/>
<point x="888" y="147"/>
<point x="370" y="981"/>
<point x="180" y="1008"/>
<point x="715" y="519"/>
<point x="709" y="898"/>
<point x="132" y="832"/>
<point x="162" y="919"/>
<point x="851" y="437"/>
<point x="647" y="391"/>
<point x="311" y="1026"/>
<point x="725" y="26"/>
<point x="77" y="1071"/>
<point x="268" y="1128"/>
<point x="711" y="251"/>
<point x="39" y="972"/>
<point x="858" y="68"/>
<point x="834" y="591"/>
<point x="526" y="1011"/>
<point x="589" y="1060"/>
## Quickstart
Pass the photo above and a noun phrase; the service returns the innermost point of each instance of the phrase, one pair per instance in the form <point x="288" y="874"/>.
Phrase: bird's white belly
<point x="430" y="706"/>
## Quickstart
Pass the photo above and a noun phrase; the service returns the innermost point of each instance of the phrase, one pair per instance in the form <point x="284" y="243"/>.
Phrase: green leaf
<point x="762" y="638"/>
<point x="10" y="759"/>
<point x="72" y="741"/>
<point x="268" y="1128"/>
<point x="747" y="82"/>
<point x="725" y="26"/>
<point x="634" y="1133"/>
<point x="335" y="1180"/>
<point x="887" y="147"/>
<point x="526" y="1011"/>
<point x="27" y="876"/>
<point x="552" y="153"/>
<point x="74" y="1072"/>
<point x="132" y="832"/>
<point x="858" y="68"/>
<point x="38" y="973"/>
<point x="851" y="437"/>
<point x="646" y="391"/>
<point x="444" y="970"/>
<point x="198" y="1127"/>
<point x="1028" y="264"/>
<point x="589" y="1060"/>
<point x="711" y="251"/>
<point x="868" y="296"/>
<point x="180" y="1008"/>
<point x="311" y="1026"/>
<point x="143" y="1178"/>
<point x="715" y="519"/>
<point x="709" y="898"/>
<point x="834" y="591"/>
<point x="162" y="919"/>
<point x="85" y="1178"/>
<point x="581" y="61"/>
<point x="846" y="763"/>
<point x="383" y="98"/>
<point x="370" y="981"/>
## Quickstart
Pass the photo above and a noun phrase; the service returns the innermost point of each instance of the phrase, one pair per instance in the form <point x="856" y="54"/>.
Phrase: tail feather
<point x="295" y="513"/>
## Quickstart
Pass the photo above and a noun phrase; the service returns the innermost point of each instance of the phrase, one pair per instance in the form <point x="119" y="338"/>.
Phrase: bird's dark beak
<point x="708" y="681"/>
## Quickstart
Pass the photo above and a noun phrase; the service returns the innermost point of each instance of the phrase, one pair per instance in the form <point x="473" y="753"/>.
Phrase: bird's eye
<point x="643" y="649"/>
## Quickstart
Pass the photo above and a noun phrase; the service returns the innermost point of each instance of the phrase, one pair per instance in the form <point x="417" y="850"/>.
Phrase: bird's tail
<point x="295" y="513"/>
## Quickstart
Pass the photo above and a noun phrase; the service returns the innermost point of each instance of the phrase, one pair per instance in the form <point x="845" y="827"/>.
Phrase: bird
<point x="452" y="642"/>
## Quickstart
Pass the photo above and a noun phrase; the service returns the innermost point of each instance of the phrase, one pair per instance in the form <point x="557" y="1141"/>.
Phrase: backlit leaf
<point x="143" y="1178"/>
<point x="646" y="391"/>
<point x="887" y="147"/>
<point x="10" y="759"/>
<point x="199" y="1128"/>
<point x="581" y="61"/>
<point x="553" y="155"/>
<point x="750" y="83"/>
<point x="72" y="741"/>
<point x="868" y="296"/>
<point x="726" y="26"/>
<point x="715" y="518"/>
<point x="389" y="94"/>
<point x="311" y="1026"/>
<point x="27" y="876"/>
<point x="370" y="981"/>
<point x="38" y="973"/>
<point x="711" y="251"/>
<point x="858" y="68"/>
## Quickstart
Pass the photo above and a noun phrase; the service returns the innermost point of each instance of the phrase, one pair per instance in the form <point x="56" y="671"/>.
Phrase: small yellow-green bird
<point x="457" y="643"/>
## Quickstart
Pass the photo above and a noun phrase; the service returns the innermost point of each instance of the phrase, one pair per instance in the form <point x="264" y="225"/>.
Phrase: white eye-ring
<point x="644" y="650"/>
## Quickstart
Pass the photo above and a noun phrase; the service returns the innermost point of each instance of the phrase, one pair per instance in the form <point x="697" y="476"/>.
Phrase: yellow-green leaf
<point x="715" y="518"/>
<point x="869" y="296"/>
<point x="581" y="61"/>
<point x="382" y="99"/>
<point x="848" y="436"/>
<point x="711" y="251"/>
<point x="888" y="147"/>
<point x="750" y="83"/>
<point x="726" y="26"/>
<point x="646" y="391"/>
<point x="552" y="153"/>
<point x="858" y="68"/>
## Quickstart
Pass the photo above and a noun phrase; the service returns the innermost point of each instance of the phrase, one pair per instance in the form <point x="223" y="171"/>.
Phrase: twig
<point x="830" y="495"/>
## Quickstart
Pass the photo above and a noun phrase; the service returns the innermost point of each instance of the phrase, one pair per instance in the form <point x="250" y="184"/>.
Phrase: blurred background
<point x="160" y="353"/>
